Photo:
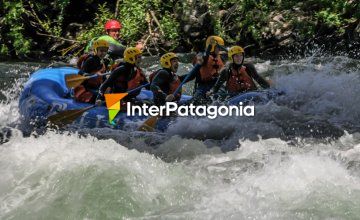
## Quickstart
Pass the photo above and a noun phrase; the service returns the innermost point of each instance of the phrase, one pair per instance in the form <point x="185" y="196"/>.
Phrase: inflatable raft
<point x="46" y="94"/>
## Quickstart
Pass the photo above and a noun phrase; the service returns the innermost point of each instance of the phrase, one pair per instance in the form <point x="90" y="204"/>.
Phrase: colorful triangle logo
<point x="113" y="104"/>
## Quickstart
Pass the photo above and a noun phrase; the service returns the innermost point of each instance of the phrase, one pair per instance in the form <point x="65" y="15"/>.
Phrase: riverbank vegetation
<point x="60" y="29"/>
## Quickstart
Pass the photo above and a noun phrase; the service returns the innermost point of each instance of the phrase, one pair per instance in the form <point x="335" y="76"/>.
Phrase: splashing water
<point x="298" y="158"/>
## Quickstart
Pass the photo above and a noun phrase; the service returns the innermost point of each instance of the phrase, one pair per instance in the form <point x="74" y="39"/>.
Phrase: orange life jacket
<point x="137" y="80"/>
<point x="210" y="70"/>
<point x="239" y="81"/>
<point x="82" y="95"/>
<point x="86" y="91"/>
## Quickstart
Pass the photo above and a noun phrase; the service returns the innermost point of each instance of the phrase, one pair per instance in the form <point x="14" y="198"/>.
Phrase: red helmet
<point x="112" y="24"/>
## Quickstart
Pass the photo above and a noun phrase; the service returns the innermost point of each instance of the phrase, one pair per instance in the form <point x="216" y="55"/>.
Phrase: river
<point x="298" y="158"/>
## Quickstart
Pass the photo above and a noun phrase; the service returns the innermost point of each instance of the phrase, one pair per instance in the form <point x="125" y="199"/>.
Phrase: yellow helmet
<point x="217" y="39"/>
<point x="234" y="50"/>
<point x="100" y="43"/>
<point x="130" y="54"/>
<point x="165" y="60"/>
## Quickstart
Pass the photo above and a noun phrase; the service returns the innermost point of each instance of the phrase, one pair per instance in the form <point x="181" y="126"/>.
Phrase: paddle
<point x="150" y="123"/>
<point x="68" y="116"/>
<point x="76" y="80"/>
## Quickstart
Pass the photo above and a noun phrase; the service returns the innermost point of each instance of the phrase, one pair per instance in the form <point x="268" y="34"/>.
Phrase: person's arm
<point x="116" y="50"/>
<point x="250" y="68"/>
<point x="144" y="82"/>
<point x="109" y="81"/>
<point x="206" y="55"/>
<point x="224" y="75"/>
<point x="193" y="73"/>
<point x="161" y="78"/>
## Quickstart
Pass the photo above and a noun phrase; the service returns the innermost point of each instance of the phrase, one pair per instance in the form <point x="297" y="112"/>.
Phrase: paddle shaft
<point x="96" y="75"/>
<point x="68" y="116"/>
<point x="182" y="83"/>
<point x="140" y="87"/>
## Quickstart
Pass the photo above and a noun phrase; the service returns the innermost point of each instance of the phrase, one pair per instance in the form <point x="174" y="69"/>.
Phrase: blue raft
<point x="46" y="94"/>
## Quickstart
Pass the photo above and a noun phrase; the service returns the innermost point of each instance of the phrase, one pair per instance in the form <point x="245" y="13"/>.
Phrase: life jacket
<point x="123" y="83"/>
<point x="82" y="95"/>
<point x="239" y="81"/>
<point x="210" y="70"/>
<point x="83" y="58"/>
<point x="152" y="75"/>
<point x="87" y="91"/>
<point x="137" y="80"/>
<point x="174" y="85"/>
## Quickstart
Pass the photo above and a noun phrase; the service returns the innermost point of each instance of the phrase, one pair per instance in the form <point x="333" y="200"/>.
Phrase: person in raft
<point x="126" y="76"/>
<point x="239" y="76"/>
<point x="206" y="70"/>
<point x="165" y="81"/>
<point x="92" y="64"/>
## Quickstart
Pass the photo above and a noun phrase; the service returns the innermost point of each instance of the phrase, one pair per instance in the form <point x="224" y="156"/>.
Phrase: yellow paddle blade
<point x="68" y="116"/>
<point x="149" y="124"/>
<point x="73" y="80"/>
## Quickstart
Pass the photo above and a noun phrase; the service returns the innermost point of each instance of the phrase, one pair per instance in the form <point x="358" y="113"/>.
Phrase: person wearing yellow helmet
<point x="165" y="81"/>
<point x="93" y="62"/>
<point x="90" y="64"/>
<point x="126" y="76"/>
<point x="207" y="68"/>
<point x="239" y="76"/>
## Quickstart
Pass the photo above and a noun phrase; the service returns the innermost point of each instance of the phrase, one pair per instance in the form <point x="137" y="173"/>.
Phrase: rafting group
<point x="210" y="71"/>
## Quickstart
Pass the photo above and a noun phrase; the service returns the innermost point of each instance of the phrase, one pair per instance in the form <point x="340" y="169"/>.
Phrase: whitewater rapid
<point x="298" y="158"/>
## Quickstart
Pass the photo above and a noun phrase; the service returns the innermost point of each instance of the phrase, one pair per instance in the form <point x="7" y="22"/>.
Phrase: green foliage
<point x="304" y="28"/>
<point x="171" y="29"/>
<point x="133" y="18"/>
<point x="12" y="19"/>
<point x="52" y="21"/>
<point x="234" y="20"/>
<point x="3" y="49"/>
<point x="97" y="27"/>
<point x="329" y="18"/>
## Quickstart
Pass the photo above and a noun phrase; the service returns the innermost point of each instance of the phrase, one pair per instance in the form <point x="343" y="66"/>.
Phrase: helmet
<point x="165" y="60"/>
<point x="130" y="53"/>
<point x="217" y="39"/>
<point x="112" y="24"/>
<point x="100" y="43"/>
<point x="234" y="50"/>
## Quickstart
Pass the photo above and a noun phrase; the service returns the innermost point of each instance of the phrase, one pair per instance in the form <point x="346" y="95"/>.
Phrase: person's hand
<point x="209" y="93"/>
<point x="99" y="102"/>
<point x="99" y="99"/>
<point x="170" y="98"/>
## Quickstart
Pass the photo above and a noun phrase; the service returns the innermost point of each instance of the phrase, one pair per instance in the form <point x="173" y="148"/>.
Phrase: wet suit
<point x="202" y="86"/>
<point x="125" y="77"/>
<point x="87" y="91"/>
<point x="92" y="64"/>
<point x="116" y="48"/>
<point x="165" y="83"/>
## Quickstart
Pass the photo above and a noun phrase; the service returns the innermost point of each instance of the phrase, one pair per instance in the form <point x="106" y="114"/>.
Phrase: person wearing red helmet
<point x="112" y="27"/>
<point x="116" y="49"/>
